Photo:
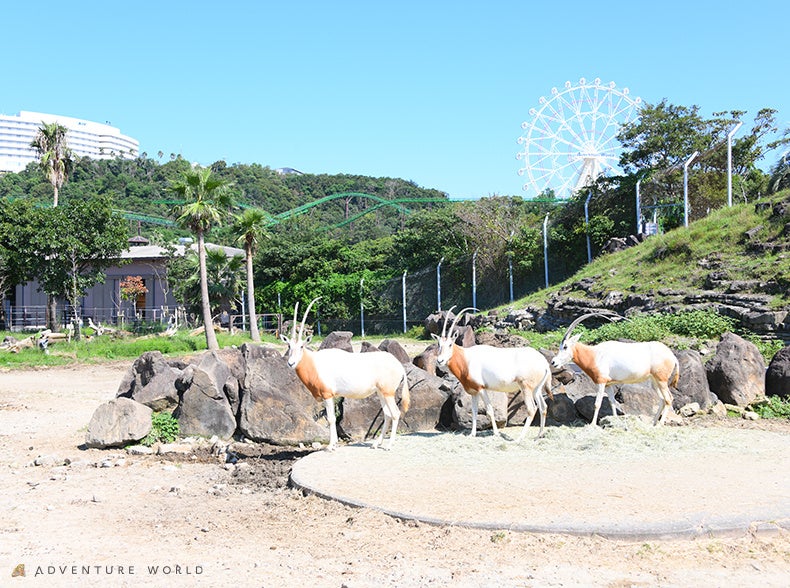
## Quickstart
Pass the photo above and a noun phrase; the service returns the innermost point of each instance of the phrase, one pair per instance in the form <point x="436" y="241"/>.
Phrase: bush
<point x="164" y="429"/>
<point x="774" y="407"/>
<point x="695" y="324"/>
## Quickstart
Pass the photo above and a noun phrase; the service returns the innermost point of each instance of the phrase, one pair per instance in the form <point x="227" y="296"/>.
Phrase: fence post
<point x="474" y="279"/>
<point x="439" y="285"/>
<point x="361" y="309"/>
<point x="403" y="286"/>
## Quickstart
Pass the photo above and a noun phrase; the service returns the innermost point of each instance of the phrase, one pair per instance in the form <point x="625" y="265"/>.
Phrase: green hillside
<point x="742" y="250"/>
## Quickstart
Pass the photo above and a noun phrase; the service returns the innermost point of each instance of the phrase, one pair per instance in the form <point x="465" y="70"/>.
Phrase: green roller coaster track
<point x="397" y="203"/>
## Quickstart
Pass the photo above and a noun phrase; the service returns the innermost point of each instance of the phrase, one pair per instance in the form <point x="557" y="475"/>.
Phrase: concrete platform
<point x="665" y="482"/>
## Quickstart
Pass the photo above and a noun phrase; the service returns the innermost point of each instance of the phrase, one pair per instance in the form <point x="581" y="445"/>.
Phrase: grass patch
<point x="108" y="348"/>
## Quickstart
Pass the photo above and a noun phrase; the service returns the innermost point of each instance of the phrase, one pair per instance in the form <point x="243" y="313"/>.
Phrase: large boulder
<point x="117" y="423"/>
<point x="736" y="373"/>
<point x="276" y="407"/>
<point x="151" y="381"/>
<point x="777" y="378"/>
<point x="693" y="382"/>
<point x="204" y="409"/>
<point x="395" y="348"/>
<point x="427" y="359"/>
<point x="338" y="340"/>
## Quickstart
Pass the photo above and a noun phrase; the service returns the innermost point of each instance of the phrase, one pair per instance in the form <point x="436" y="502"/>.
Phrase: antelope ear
<point x="284" y="338"/>
<point x="435" y="336"/>
<point x="308" y="339"/>
<point x="576" y="337"/>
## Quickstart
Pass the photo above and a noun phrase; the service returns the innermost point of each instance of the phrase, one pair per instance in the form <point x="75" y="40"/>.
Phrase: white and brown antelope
<point x="481" y="368"/>
<point x="329" y="373"/>
<point x="618" y="362"/>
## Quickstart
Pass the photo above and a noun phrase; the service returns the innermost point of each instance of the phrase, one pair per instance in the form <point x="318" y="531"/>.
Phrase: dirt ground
<point x="107" y="518"/>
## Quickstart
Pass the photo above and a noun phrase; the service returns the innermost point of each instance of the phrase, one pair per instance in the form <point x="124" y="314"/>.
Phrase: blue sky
<point x="432" y="92"/>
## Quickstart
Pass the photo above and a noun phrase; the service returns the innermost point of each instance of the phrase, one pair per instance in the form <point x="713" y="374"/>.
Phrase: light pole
<point x="361" y="309"/>
<point x="474" y="279"/>
<point x="587" y="224"/>
<point x="546" y="247"/>
<point x="686" y="188"/>
<point x="439" y="285"/>
<point x="403" y="287"/>
<point x="638" y="207"/>
<point x="729" y="162"/>
<point x="510" y="263"/>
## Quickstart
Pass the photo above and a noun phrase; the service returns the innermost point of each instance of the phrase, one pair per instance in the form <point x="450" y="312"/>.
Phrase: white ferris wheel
<point x="572" y="137"/>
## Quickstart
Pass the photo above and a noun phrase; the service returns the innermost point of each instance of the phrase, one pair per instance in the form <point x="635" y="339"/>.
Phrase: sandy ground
<point x="106" y="518"/>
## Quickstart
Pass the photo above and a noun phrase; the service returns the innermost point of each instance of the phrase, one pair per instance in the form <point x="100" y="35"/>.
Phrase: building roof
<point x="159" y="252"/>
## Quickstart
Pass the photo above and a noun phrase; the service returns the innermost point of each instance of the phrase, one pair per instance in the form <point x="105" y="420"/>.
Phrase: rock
<point x="435" y="322"/>
<point x="427" y="359"/>
<point x="777" y="378"/>
<point x="367" y="347"/>
<point x="521" y="319"/>
<point x="736" y="373"/>
<point x="151" y="381"/>
<point x="500" y="340"/>
<point x="276" y="407"/>
<point x="139" y="450"/>
<point x="693" y="382"/>
<point x="118" y="422"/>
<point x="204" y="409"/>
<point x="395" y="348"/>
<point x="689" y="410"/>
<point x="338" y="340"/>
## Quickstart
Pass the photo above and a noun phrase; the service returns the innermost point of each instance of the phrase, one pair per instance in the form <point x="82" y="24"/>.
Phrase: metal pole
<point x="729" y="162"/>
<point x="638" y="208"/>
<point x="361" y="309"/>
<point x="474" y="279"/>
<point x="587" y="224"/>
<point x="510" y="273"/>
<point x="686" y="188"/>
<point x="439" y="285"/>
<point x="403" y="285"/>
<point x="546" y="248"/>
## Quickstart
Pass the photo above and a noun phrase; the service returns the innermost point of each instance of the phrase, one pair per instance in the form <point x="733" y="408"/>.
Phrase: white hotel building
<point x="84" y="138"/>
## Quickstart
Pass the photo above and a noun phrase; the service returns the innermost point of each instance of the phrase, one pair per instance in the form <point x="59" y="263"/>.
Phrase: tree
<point x="224" y="280"/>
<point x="249" y="227"/>
<point x="73" y="245"/>
<point x="54" y="155"/>
<point x="206" y="200"/>
<point x="131" y="288"/>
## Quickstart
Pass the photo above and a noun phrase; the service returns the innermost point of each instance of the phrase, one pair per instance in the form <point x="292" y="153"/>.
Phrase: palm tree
<point x="249" y="226"/>
<point x="54" y="154"/>
<point x="206" y="199"/>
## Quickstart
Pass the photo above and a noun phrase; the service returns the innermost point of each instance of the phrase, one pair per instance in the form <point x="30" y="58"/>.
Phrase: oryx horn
<point x="611" y="316"/>
<point x="306" y="312"/>
<point x="458" y="317"/>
